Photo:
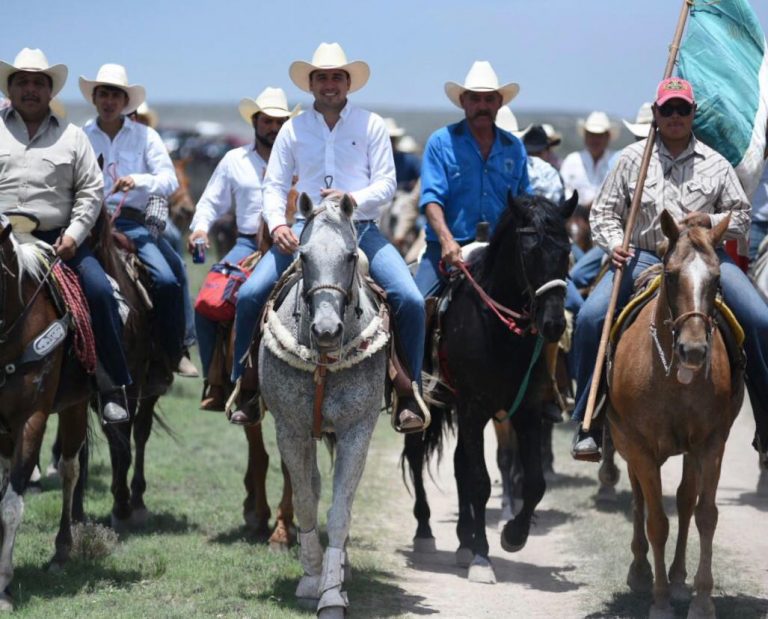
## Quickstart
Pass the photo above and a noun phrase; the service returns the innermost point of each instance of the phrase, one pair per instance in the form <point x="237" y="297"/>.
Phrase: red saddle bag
<point x="218" y="294"/>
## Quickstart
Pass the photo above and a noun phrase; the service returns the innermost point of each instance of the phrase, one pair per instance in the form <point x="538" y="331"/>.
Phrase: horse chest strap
<point x="317" y="409"/>
<point x="39" y="348"/>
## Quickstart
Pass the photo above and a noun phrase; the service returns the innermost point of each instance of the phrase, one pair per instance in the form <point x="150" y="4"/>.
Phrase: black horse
<point x="486" y="365"/>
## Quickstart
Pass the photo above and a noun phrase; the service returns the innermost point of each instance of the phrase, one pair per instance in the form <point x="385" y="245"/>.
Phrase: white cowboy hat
<point x="34" y="61"/>
<point x="506" y="119"/>
<point x="553" y="135"/>
<point x="481" y="78"/>
<point x="329" y="56"/>
<point x="394" y="130"/>
<point x="642" y="125"/>
<point x="271" y="101"/>
<point x="148" y="113"/>
<point x="598" y="122"/>
<point x="114" y="75"/>
<point x="407" y="144"/>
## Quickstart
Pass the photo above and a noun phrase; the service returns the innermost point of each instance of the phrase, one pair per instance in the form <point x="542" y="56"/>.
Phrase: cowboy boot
<point x="214" y="398"/>
<point x="113" y="403"/>
<point x="248" y="411"/>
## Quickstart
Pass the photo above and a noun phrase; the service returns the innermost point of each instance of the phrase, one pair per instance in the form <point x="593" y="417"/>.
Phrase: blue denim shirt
<point x="470" y="190"/>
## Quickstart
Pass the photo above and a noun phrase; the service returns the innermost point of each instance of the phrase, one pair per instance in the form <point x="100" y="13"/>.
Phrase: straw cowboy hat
<point x="643" y="121"/>
<point x="271" y="101"/>
<point x="329" y="56"/>
<point x="598" y="122"/>
<point x="481" y="78"/>
<point x="148" y="114"/>
<point x="394" y="130"/>
<point x="114" y="75"/>
<point x="34" y="61"/>
<point x="506" y="119"/>
<point x="553" y="135"/>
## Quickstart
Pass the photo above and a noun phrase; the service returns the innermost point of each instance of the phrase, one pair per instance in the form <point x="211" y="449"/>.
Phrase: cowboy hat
<point x="329" y="56"/>
<point x="505" y="119"/>
<point x="114" y="75"/>
<point x="481" y="78"/>
<point x="271" y="101"/>
<point x="34" y="61"/>
<point x="598" y="122"/>
<point x="553" y="135"/>
<point x="394" y="130"/>
<point x="407" y="144"/>
<point x="148" y="114"/>
<point x="643" y="121"/>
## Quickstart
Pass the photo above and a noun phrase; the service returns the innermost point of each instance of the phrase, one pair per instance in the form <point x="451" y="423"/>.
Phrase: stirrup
<point x="230" y="409"/>
<point x="423" y="408"/>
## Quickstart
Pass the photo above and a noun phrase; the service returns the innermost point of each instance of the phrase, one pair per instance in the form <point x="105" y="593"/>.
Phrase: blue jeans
<point x="739" y="294"/>
<point x="387" y="268"/>
<point x="206" y="328"/>
<point x="173" y="235"/>
<point x="587" y="268"/>
<point x="757" y="233"/>
<point x="429" y="280"/>
<point x="105" y="316"/>
<point x="166" y="269"/>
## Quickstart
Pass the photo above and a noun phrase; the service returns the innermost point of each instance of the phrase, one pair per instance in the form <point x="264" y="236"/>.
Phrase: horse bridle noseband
<point x="533" y="295"/>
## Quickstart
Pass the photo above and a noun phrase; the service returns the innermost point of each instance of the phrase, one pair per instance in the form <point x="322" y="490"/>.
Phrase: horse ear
<point x="347" y="205"/>
<point x="718" y="232"/>
<point x="570" y="205"/>
<point x="669" y="226"/>
<point x="305" y="205"/>
<point x="514" y="206"/>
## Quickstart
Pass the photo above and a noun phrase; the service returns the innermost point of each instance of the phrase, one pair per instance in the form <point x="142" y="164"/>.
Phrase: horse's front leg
<point x="505" y="458"/>
<point x="527" y="424"/>
<point x="686" y="501"/>
<point x="119" y="439"/>
<point x="284" y="534"/>
<point x="142" y="428"/>
<point x="255" y="507"/>
<point x="640" y="575"/>
<point x="73" y="427"/>
<point x="11" y="512"/>
<point x="414" y="453"/>
<point x="609" y="473"/>
<point x="299" y="453"/>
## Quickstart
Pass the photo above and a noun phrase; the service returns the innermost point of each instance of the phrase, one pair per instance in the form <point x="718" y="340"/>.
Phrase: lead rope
<point x="526" y="379"/>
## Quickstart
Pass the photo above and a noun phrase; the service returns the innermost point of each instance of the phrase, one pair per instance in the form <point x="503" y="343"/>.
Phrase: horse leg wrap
<point x="311" y="558"/>
<point x="332" y="579"/>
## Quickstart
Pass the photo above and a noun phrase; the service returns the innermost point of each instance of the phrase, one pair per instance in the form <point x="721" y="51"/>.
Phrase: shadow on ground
<point x="636" y="605"/>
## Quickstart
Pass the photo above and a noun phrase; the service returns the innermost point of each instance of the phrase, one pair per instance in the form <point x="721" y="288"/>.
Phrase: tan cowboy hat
<point x="394" y="130"/>
<point x="642" y="125"/>
<point x="598" y="122"/>
<point x="34" y="61"/>
<point x="481" y="78"/>
<point x="114" y="75"/>
<point x="271" y="101"/>
<point x="330" y="56"/>
<point x="506" y="119"/>
<point x="147" y="113"/>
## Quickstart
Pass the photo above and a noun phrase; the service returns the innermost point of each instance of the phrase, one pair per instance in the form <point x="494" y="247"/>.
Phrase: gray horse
<point x="324" y="347"/>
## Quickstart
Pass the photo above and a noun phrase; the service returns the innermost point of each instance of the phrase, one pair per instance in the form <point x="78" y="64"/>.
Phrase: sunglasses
<point x="682" y="109"/>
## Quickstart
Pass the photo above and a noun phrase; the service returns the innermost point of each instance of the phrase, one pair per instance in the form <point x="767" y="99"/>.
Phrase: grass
<point x="194" y="558"/>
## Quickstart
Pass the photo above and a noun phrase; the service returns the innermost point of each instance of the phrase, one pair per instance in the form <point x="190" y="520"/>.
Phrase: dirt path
<point x="561" y="573"/>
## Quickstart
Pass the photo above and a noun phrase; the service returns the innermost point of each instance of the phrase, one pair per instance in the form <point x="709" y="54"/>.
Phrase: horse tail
<point x="432" y="442"/>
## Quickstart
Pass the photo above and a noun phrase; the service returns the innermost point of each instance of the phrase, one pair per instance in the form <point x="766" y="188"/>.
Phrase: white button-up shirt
<point x="356" y="157"/>
<point x="137" y="151"/>
<point x="236" y="180"/>
<point x="580" y="172"/>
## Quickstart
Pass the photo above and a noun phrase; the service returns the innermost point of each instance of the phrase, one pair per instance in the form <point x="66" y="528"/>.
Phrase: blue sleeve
<point x="434" y="179"/>
<point x="525" y="182"/>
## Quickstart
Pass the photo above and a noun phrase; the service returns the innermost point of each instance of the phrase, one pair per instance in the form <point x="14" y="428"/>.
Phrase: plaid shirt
<point x="156" y="215"/>
<point x="697" y="180"/>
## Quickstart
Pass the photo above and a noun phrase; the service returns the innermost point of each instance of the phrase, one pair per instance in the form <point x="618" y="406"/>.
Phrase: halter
<point x="533" y="295"/>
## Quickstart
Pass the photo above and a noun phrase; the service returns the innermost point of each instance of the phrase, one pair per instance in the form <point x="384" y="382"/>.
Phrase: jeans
<point x="587" y="268"/>
<point x="430" y="281"/>
<point x="739" y="294"/>
<point x="207" y="328"/>
<point x="166" y="269"/>
<point x="387" y="268"/>
<point x="757" y="233"/>
<point x="173" y="235"/>
<point x="102" y="305"/>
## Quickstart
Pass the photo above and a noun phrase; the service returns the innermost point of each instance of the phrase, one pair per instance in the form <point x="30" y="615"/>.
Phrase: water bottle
<point x="198" y="253"/>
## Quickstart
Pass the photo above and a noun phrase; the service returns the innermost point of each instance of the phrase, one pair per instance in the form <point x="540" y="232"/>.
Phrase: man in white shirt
<point x="237" y="180"/>
<point x="335" y="148"/>
<point x="136" y="167"/>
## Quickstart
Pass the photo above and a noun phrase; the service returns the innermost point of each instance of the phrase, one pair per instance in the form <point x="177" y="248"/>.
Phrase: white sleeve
<point x="382" y="166"/>
<point x="278" y="178"/>
<point x="216" y="199"/>
<point x="160" y="180"/>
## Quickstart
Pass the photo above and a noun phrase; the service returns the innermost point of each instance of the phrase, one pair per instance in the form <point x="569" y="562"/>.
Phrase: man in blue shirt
<point x="467" y="171"/>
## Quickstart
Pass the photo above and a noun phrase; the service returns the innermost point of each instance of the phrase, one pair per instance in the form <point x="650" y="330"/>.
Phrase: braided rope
<point x="72" y="293"/>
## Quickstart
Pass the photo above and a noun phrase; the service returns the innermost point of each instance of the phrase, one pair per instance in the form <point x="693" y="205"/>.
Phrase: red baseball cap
<point x="674" y="88"/>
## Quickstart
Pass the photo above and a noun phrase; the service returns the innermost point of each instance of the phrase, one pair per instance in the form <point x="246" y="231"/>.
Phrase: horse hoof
<point x="640" y="577"/>
<point x="464" y="557"/>
<point x="701" y="608"/>
<point x="279" y="546"/>
<point x="332" y="612"/>
<point x="481" y="571"/>
<point x="308" y="590"/>
<point x="606" y="495"/>
<point x="514" y="535"/>
<point x="6" y="602"/>
<point x="679" y="592"/>
<point x="139" y="516"/>
<point x="119" y="525"/>
<point x="762" y="483"/>
<point x="55" y="566"/>
<point x="424" y="545"/>
<point x="661" y="612"/>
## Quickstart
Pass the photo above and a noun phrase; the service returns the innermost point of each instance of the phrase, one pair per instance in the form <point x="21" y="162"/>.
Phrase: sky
<point x="567" y="55"/>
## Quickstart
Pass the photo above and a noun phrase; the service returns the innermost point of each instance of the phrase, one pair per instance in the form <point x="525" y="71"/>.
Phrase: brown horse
<point x="673" y="390"/>
<point x="30" y="393"/>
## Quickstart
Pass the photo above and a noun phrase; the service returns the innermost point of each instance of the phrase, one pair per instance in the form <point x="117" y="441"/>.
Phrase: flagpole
<point x="633" y="212"/>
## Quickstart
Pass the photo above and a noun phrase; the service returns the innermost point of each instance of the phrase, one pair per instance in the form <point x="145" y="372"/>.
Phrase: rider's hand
<point x="619" y="256"/>
<point x="451" y="252"/>
<point x="697" y="219"/>
<point x="197" y="234"/>
<point x="65" y="247"/>
<point x="284" y="239"/>
<point x="124" y="183"/>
